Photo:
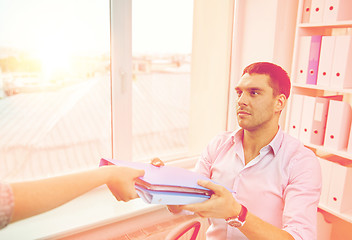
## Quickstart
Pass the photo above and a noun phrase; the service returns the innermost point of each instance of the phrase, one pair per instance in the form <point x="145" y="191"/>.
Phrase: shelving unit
<point x="329" y="89"/>
<point x="331" y="151"/>
<point x="340" y="24"/>
<point x="323" y="28"/>
<point x="344" y="216"/>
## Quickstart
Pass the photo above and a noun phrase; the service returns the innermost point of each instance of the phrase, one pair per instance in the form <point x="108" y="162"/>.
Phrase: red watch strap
<point x="243" y="213"/>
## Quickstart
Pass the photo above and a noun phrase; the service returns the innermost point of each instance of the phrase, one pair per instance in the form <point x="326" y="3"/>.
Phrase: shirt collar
<point x="275" y="144"/>
<point x="237" y="135"/>
<point x="277" y="140"/>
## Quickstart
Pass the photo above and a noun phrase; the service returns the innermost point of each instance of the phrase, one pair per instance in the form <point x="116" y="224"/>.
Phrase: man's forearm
<point x="255" y="228"/>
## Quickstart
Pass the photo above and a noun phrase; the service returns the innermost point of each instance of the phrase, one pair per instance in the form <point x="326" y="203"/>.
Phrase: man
<point x="276" y="181"/>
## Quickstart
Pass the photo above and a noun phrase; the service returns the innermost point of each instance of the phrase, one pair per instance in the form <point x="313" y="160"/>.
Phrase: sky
<point x="40" y="25"/>
<point x="162" y="25"/>
<point x="64" y="27"/>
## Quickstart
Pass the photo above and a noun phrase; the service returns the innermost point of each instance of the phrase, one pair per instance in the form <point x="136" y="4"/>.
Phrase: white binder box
<point x="337" y="10"/>
<point x="325" y="61"/>
<point x="295" y="115"/>
<point x="301" y="72"/>
<point x="321" y="109"/>
<point x="338" y="125"/>
<point x="340" y="190"/>
<point x="341" y="72"/>
<point x="317" y="11"/>
<point x="326" y="171"/>
<point x="307" y="119"/>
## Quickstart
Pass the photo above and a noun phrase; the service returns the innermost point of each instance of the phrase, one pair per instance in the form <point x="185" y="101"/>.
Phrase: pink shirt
<point x="281" y="185"/>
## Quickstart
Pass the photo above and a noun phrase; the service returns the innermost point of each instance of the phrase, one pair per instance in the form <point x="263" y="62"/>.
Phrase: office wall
<point x="263" y="31"/>
<point x="211" y="53"/>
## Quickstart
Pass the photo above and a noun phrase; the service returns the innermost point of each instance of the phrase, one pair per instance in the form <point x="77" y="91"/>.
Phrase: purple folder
<point x="313" y="63"/>
<point x="165" y="178"/>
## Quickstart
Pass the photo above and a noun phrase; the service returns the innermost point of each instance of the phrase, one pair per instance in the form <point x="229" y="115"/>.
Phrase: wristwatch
<point x="239" y="220"/>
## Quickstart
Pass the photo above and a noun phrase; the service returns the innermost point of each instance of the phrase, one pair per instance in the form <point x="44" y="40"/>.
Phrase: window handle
<point x="123" y="77"/>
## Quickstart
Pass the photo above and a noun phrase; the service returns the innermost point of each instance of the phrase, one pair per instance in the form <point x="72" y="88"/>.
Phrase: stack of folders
<point x="166" y="185"/>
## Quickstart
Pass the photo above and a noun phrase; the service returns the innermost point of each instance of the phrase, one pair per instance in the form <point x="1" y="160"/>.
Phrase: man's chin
<point x="244" y="125"/>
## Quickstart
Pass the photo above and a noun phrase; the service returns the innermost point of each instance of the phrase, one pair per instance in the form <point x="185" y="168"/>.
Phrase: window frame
<point x="121" y="78"/>
<point x="210" y="76"/>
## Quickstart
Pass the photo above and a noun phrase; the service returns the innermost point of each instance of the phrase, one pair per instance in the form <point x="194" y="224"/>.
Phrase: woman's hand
<point x="121" y="182"/>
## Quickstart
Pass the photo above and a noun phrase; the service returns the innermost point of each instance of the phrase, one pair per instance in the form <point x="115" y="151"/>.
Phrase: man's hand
<point x="221" y="204"/>
<point x="172" y="208"/>
<point x="157" y="162"/>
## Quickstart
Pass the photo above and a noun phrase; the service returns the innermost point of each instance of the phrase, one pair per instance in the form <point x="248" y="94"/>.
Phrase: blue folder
<point x="166" y="185"/>
<point x="169" y="198"/>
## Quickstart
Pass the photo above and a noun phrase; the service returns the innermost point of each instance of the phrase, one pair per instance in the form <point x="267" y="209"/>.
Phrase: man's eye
<point x="254" y="93"/>
<point x="239" y="94"/>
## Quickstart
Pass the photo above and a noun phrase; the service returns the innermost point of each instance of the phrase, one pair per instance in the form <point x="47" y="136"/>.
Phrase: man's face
<point x="256" y="104"/>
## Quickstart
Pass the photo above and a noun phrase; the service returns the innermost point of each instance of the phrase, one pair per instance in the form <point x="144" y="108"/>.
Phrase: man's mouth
<point x="243" y="113"/>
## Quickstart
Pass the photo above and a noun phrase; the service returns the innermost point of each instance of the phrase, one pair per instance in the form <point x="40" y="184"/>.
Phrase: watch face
<point x="234" y="222"/>
<point x="239" y="220"/>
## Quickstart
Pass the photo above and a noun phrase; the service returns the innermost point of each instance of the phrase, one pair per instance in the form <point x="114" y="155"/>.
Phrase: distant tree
<point x="23" y="63"/>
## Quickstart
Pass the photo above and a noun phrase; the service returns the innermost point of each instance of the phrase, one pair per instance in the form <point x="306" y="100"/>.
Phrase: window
<point x="161" y="53"/>
<point x="55" y="87"/>
<point x="150" y="79"/>
<point x="151" y="96"/>
<point x="175" y="111"/>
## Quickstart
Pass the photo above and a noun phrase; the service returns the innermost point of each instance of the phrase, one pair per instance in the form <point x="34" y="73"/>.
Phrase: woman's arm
<point x="34" y="197"/>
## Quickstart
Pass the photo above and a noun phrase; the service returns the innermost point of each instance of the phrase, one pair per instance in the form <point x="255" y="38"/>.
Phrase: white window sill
<point x="91" y="210"/>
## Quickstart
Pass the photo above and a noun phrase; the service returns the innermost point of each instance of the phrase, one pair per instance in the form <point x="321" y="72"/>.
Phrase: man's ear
<point x="280" y="102"/>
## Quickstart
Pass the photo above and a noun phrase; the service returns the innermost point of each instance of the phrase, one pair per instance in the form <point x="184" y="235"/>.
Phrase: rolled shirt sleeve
<point x="6" y="204"/>
<point x="301" y="198"/>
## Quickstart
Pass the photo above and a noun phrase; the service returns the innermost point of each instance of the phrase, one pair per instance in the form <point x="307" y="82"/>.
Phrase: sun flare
<point x="55" y="54"/>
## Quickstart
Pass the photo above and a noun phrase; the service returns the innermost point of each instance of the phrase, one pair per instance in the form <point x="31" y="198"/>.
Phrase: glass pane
<point x="54" y="87"/>
<point x="161" y="49"/>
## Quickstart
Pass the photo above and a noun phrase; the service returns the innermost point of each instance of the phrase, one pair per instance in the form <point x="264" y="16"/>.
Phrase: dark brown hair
<point x="280" y="81"/>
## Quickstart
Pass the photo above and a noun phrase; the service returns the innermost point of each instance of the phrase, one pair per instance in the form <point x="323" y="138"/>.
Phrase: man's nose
<point x="242" y="100"/>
